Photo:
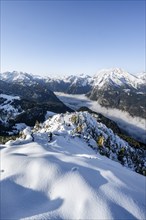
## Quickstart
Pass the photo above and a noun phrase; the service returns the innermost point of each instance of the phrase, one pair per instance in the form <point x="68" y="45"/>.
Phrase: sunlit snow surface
<point x="134" y="126"/>
<point x="65" y="179"/>
<point x="117" y="77"/>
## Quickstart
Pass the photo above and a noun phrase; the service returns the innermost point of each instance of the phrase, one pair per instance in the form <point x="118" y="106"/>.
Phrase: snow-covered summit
<point x="116" y="77"/>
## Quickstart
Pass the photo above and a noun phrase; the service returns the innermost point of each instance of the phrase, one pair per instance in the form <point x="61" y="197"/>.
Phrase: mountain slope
<point x="20" y="103"/>
<point x="65" y="178"/>
<point x="70" y="84"/>
<point x="115" y="88"/>
<point x="142" y="76"/>
<point x="116" y="77"/>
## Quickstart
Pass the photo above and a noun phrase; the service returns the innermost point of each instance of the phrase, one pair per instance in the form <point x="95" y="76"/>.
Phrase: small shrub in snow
<point x="37" y="126"/>
<point x="74" y="119"/>
<point x="5" y="139"/>
<point x="100" y="141"/>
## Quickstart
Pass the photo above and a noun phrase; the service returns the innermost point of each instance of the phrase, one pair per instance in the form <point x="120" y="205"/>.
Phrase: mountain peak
<point x="115" y="76"/>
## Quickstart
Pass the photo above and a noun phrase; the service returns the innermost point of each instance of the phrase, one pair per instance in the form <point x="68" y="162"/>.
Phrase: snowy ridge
<point x="80" y="80"/>
<point x="20" y="77"/>
<point x="83" y="125"/>
<point x="64" y="178"/>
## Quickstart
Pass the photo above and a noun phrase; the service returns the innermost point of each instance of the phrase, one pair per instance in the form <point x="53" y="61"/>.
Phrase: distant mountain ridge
<point x="114" y="76"/>
<point x="70" y="84"/>
<point x="112" y="88"/>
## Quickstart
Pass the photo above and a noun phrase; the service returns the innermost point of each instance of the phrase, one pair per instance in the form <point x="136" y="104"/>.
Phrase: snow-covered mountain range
<point x="70" y="84"/>
<point x="65" y="176"/>
<point x="112" y="88"/>
<point x="114" y="76"/>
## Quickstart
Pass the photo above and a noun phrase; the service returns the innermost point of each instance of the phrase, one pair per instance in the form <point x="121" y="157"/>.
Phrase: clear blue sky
<point x="72" y="37"/>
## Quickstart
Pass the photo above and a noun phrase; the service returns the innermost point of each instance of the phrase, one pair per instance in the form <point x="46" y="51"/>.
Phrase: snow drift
<point x="65" y="178"/>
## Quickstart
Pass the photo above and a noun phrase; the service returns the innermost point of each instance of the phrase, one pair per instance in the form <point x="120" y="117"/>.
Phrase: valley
<point x="133" y="126"/>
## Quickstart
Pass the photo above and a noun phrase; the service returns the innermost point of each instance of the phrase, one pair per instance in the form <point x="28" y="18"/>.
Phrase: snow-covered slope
<point x="7" y="108"/>
<point x="142" y="76"/>
<point x="65" y="178"/>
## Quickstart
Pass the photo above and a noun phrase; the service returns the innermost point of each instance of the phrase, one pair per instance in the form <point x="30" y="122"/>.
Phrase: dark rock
<point x="132" y="101"/>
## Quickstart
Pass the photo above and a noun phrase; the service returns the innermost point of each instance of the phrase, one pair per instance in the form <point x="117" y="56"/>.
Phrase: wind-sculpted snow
<point x="63" y="178"/>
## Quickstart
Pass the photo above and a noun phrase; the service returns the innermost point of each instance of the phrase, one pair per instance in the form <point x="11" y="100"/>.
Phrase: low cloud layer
<point x="134" y="126"/>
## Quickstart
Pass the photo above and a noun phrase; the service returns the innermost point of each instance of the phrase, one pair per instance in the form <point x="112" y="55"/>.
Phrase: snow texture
<point x="64" y="178"/>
